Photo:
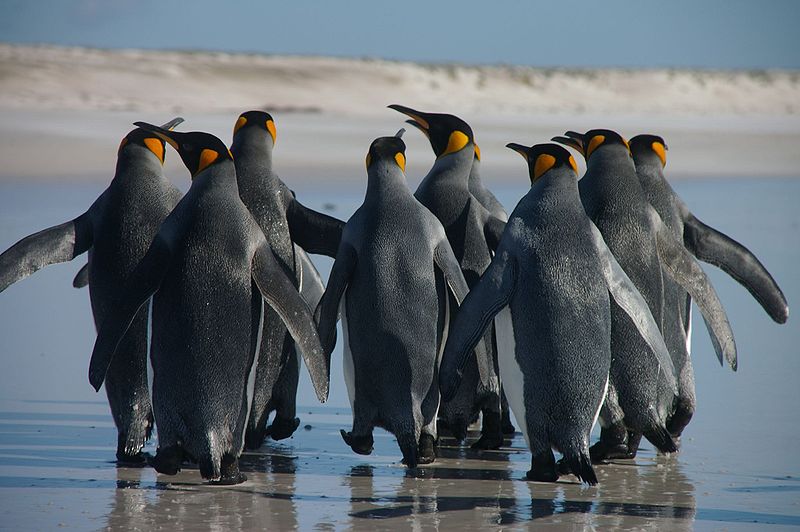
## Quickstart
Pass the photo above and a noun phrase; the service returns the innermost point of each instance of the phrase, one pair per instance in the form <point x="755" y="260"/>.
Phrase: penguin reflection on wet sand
<point x="207" y="270"/>
<point x="283" y="220"/>
<point x="639" y="400"/>
<point x="116" y="230"/>
<point x="550" y="281"/>
<point x="707" y="244"/>
<point x="473" y="233"/>
<point x="390" y="283"/>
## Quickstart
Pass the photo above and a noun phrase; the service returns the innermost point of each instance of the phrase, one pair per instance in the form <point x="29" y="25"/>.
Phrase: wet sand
<point x="738" y="468"/>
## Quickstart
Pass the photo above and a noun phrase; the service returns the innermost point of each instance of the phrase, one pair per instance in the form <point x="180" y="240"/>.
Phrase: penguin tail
<point x="580" y="465"/>
<point x="662" y="439"/>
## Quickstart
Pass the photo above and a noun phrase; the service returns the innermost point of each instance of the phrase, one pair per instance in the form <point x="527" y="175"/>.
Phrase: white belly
<point x="689" y="333"/>
<point x="251" y="377"/>
<point x="510" y="372"/>
<point x="149" y="350"/>
<point x="347" y="356"/>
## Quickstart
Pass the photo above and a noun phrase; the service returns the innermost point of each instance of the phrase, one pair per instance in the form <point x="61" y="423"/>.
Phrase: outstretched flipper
<point x="713" y="247"/>
<point x="60" y="243"/>
<point x="448" y="264"/>
<point x="484" y="301"/>
<point x="82" y="277"/>
<point x="493" y="231"/>
<point x="141" y="285"/>
<point x="628" y="298"/>
<point x="315" y="232"/>
<point x="327" y="312"/>
<point x="684" y="269"/>
<point x="281" y="294"/>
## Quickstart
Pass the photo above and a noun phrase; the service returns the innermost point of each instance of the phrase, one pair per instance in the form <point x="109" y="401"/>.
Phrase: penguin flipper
<point x="315" y="232"/>
<point x="82" y="277"/>
<point x="493" y="231"/>
<point x="138" y="289"/>
<point x="311" y="285"/>
<point x="714" y="247"/>
<point x="684" y="269"/>
<point x="446" y="261"/>
<point x="56" y="244"/>
<point x="628" y="298"/>
<point x="492" y="292"/>
<point x="327" y="312"/>
<point x="280" y="293"/>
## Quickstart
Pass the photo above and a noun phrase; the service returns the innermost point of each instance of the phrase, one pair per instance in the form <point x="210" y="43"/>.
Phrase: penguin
<point x="208" y="271"/>
<point x="551" y="282"/>
<point x="638" y="401"/>
<point x="483" y="194"/>
<point x="116" y="231"/>
<point x="390" y="283"/>
<point x="707" y="244"/>
<point x="284" y="220"/>
<point x="473" y="234"/>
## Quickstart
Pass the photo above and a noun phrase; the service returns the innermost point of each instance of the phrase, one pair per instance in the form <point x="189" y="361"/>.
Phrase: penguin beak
<point x="416" y="125"/>
<point x="172" y="124"/>
<point x="418" y="117"/>
<point x="571" y="142"/>
<point x="400" y="132"/>
<point x="166" y="135"/>
<point x="519" y="148"/>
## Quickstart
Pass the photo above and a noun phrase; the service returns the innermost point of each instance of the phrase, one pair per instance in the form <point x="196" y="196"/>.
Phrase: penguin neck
<point x="221" y="176"/>
<point x="650" y="173"/>
<point x="453" y="168"/>
<point x="256" y="151"/>
<point x="136" y="162"/>
<point x="475" y="182"/>
<point x="385" y="180"/>
<point x="610" y="170"/>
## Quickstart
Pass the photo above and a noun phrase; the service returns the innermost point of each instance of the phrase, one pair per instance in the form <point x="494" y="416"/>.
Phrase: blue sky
<point x="647" y="33"/>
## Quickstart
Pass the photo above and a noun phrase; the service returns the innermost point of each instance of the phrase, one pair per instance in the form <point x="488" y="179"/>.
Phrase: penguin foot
<point x="508" y="428"/>
<point x="543" y="468"/>
<point x="254" y="438"/>
<point x="487" y="442"/>
<point x="359" y="444"/>
<point x="280" y="429"/>
<point x="167" y="460"/>
<point x="600" y="452"/>
<point x="132" y="460"/>
<point x="229" y="473"/>
<point x="426" y="449"/>
<point x="542" y="476"/>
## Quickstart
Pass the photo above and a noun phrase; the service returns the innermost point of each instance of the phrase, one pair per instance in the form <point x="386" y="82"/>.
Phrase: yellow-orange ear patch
<point x="400" y="159"/>
<point x="122" y="144"/>
<point x="241" y="121"/>
<point x="272" y="130"/>
<point x="573" y="164"/>
<point x="155" y="146"/>
<point x="369" y="160"/>
<point x="660" y="151"/>
<point x="596" y="141"/>
<point x="456" y="142"/>
<point x="207" y="157"/>
<point x="544" y="162"/>
<point x="477" y="152"/>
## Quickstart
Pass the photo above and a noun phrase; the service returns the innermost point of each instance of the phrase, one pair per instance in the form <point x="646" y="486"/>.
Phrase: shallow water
<point x="738" y="467"/>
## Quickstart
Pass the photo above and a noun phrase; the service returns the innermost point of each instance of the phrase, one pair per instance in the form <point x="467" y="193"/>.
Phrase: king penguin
<point x="207" y="270"/>
<point x="638" y="401"/>
<point x="550" y="282"/>
<point x="116" y="230"/>
<point x="483" y="194"/>
<point x="707" y="244"/>
<point x="283" y="220"/>
<point x="473" y="233"/>
<point x="390" y="283"/>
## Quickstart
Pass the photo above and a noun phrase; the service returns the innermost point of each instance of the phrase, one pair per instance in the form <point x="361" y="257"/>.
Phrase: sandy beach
<point x="732" y="157"/>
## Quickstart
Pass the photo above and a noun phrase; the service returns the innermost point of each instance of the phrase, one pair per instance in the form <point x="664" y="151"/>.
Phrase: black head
<point x="446" y="133"/>
<point x="197" y="149"/>
<point x="148" y="140"/>
<point x="645" y="146"/>
<point x="256" y="119"/>
<point x="388" y="149"/>
<point x="588" y="142"/>
<point x="544" y="157"/>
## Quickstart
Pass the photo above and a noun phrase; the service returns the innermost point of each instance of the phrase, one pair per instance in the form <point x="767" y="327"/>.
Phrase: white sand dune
<point x="77" y="103"/>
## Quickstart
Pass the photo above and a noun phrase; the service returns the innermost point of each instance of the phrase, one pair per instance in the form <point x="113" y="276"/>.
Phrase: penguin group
<point x="573" y="309"/>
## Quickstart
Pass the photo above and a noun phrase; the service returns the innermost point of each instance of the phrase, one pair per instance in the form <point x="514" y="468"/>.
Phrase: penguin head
<point x="446" y="133"/>
<point x="588" y="143"/>
<point x="255" y="123"/>
<point x="197" y="149"/>
<point x="148" y="140"/>
<point x="542" y="158"/>
<point x="387" y="152"/>
<point x="649" y="149"/>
